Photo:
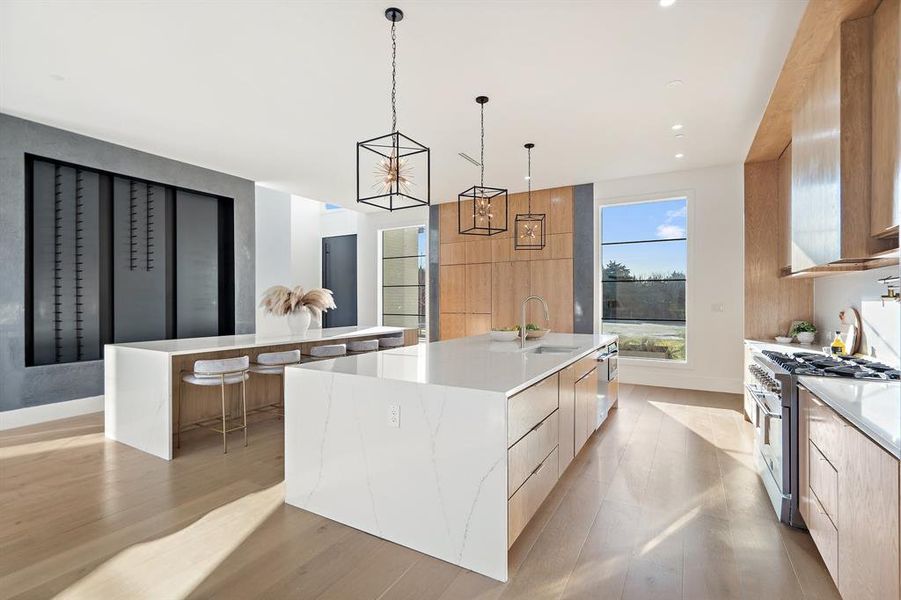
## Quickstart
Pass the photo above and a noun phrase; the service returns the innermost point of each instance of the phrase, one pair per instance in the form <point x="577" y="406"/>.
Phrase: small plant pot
<point x="806" y="337"/>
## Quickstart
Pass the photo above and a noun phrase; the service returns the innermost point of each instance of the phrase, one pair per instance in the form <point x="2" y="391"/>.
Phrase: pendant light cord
<point x="482" y="161"/>
<point x="530" y="180"/>
<point x="393" y="77"/>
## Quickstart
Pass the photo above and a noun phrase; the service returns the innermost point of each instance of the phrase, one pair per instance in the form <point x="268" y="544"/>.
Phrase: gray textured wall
<point x="21" y="387"/>
<point x="584" y="218"/>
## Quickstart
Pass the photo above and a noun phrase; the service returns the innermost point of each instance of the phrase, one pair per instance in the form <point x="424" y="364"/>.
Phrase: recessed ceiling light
<point x="57" y="77"/>
<point x="674" y="83"/>
<point x="677" y="126"/>
<point x="680" y="155"/>
<point x="679" y="135"/>
<point x="666" y="3"/>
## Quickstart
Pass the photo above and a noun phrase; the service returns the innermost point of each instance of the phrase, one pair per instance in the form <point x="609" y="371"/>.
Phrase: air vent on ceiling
<point x="470" y="159"/>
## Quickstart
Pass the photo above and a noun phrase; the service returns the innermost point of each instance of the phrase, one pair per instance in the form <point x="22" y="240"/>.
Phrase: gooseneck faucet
<point x="522" y="331"/>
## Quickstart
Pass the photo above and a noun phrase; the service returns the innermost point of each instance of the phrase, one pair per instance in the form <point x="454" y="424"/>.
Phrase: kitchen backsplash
<point x="881" y="324"/>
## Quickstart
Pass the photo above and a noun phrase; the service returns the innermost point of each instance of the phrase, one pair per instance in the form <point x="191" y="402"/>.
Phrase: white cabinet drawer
<point x="530" y="451"/>
<point x="529" y="407"/>
<point x="523" y="505"/>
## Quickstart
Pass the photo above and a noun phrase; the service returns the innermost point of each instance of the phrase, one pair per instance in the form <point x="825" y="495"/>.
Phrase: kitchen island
<point x="141" y="380"/>
<point x="447" y="448"/>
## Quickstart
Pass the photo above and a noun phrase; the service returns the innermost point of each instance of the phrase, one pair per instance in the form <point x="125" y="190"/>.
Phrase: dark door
<point x="339" y="274"/>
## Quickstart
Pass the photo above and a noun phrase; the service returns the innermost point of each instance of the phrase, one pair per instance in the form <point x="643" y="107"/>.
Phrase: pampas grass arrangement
<point x="280" y="301"/>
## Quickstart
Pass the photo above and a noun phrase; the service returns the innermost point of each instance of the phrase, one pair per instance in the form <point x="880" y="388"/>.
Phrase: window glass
<point x="403" y="278"/>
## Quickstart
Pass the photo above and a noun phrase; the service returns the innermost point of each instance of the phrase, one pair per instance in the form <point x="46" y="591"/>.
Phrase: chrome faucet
<point x="522" y="331"/>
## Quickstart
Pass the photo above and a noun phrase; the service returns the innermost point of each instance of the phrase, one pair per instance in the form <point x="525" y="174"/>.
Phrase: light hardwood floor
<point x="662" y="503"/>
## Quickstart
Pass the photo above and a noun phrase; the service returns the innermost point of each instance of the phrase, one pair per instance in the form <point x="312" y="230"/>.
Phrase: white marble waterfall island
<point x="447" y="448"/>
<point x="141" y="380"/>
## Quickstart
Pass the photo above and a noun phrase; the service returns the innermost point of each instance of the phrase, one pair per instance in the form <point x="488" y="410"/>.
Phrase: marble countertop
<point x="874" y="407"/>
<point x="252" y="340"/>
<point x="473" y="362"/>
<point x="793" y="347"/>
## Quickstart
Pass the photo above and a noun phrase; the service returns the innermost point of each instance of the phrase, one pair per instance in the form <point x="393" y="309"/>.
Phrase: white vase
<point x="806" y="337"/>
<point x="299" y="320"/>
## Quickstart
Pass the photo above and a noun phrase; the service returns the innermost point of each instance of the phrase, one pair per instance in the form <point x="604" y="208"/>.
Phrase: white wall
<point x="288" y="247"/>
<point x="881" y="324"/>
<point x="368" y="226"/>
<point x="715" y="275"/>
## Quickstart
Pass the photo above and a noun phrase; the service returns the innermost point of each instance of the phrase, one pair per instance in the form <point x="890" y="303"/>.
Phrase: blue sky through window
<point x="659" y="220"/>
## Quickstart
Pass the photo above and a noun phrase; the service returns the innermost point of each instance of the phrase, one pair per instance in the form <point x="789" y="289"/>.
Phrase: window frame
<point x="380" y="275"/>
<point x="677" y="194"/>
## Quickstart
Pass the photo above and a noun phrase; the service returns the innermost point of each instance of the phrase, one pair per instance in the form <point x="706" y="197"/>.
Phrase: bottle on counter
<point x="838" y="346"/>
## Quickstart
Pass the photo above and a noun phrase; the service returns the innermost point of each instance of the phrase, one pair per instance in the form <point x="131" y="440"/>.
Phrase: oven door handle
<point x="767" y="413"/>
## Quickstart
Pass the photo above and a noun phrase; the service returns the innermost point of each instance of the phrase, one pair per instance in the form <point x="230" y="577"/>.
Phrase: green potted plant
<point x="804" y="331"/>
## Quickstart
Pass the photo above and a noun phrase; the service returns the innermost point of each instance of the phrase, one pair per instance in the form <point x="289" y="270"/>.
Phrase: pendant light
<point x="393" y="169"/>
<point x="528" y="229"/>
<point x="482" y="210"/>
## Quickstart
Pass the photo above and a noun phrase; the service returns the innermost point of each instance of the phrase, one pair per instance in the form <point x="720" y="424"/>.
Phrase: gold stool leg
<point x="224" y="435"/>
<point x="244" y="406"/>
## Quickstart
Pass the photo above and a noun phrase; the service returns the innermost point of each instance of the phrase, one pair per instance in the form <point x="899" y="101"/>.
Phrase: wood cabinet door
<point x="566" y="416"/>
<point x="868" y="496"/>
<point x="804" y="504"/>
<point x="885" y="201"/>
<point x="586" y="408"/>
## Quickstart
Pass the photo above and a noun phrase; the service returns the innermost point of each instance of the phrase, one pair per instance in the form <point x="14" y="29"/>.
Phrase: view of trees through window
<point x="643" y="276"/>
<point x="403" y="278"/>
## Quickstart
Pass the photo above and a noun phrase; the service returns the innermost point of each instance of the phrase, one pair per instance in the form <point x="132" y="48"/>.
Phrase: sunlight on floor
<point x="68" y="443"/>
<point x="172" y="566"/>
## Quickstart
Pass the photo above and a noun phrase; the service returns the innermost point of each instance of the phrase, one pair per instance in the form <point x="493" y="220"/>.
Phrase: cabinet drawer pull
<point x="538" y="468"/>
<point x="537" y="427"/>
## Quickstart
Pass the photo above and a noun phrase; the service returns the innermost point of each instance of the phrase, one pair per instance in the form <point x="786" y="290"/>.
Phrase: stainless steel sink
<point x="552" y="349"/>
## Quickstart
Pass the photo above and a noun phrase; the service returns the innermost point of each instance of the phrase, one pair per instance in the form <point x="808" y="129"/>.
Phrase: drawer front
<point x="584" y="365"/>
<point x="824" y="535"/>
<point x="824" y="428"/>
<point x="823" y="481"/>
<point x="523" y="505"/>
<point x="528" y="408"/>
<point x="530" y="451"/>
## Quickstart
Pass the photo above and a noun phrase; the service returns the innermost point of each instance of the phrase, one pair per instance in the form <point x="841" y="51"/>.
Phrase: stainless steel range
<point x="772" y="386"/>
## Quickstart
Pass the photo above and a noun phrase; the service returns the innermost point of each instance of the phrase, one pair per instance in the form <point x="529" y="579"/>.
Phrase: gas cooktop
<point x="823" y="365"/>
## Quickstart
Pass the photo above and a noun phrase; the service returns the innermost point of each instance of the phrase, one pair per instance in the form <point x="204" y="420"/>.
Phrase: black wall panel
<point x="65" y="251"/>
<point x="112" y="259"/>
<point x="197" y="265"/>
<point x="140" y="229"/>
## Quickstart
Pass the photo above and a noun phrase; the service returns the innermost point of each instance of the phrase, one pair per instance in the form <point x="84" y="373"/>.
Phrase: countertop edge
<point x="811" y="384"/>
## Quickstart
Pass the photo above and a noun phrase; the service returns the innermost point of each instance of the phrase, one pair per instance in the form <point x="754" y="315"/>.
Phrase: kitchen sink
<point x="551" y="349"/>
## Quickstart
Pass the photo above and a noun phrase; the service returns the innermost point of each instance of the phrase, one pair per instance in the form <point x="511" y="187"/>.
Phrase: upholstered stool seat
<point x="328" y="351"/>
<point x="362" y="345"/>
<point x="218" y="372"/>
<point x="274" y="363"/>
<point x="391" y="341"/>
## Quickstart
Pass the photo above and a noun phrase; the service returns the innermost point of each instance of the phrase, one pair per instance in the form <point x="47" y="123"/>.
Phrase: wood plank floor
<point x="662" y="503"/>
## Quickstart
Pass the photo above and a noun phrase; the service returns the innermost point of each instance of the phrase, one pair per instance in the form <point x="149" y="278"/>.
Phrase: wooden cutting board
<point x="850" y="328"/>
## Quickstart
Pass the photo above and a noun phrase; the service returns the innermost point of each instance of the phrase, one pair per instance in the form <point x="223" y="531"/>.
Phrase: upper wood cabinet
<point x="784" y="215"/>
<point x="831" y="156"/>
<point x="885" y="207"/>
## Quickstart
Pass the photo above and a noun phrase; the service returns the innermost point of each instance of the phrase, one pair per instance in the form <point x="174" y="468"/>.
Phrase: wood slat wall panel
<point x="552" y="280"/>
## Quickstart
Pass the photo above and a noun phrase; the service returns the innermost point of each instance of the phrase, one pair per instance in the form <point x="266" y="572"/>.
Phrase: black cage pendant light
<point x="529" y="228"/>
<point x="393" y="170"/>
<point x="482" y="210"/>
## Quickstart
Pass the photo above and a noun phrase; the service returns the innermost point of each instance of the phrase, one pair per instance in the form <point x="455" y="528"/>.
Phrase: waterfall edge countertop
<point x="253" y="340"/>
<point x="472" y="362"/>
<point x="873" y="407"/>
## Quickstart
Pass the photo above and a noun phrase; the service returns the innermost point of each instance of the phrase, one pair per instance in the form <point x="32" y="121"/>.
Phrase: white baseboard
<point x="32" y="415"/>
<point x="684" y="381"/>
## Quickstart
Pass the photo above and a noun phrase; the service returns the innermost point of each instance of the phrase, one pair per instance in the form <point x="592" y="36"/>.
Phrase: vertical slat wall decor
<point x="482" y="281"/>
<point x="103" y="258"/>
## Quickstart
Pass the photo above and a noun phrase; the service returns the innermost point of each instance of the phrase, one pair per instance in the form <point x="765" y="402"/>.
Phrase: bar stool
<point x="391" y="341"/>
<point x="360" y="346"/>
<point x="328" y="351"/>
<point x="274" y="363"/>
<point x="221" y="372"/>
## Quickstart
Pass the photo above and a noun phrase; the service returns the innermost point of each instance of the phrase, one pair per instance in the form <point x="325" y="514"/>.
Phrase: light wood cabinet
<point x="529" y="407"/>
<point x="529" y="452"/>
<point x="784" y="214"/>
<point x="566" y="420"/>
<point x="586" y="406"/>
<point x="868" y="547"/>
<point x="885" y="206"/>
<point x="830" y="154"/>
<point x="523" y="505"/>
<point x="850" y="499"/>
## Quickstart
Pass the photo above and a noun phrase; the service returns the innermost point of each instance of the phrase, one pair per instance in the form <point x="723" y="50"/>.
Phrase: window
<point x="403" y="278"/>
<point x="644" y="249"/>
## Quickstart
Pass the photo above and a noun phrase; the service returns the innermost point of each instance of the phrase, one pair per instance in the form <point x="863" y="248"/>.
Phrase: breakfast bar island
<point x="447" y="448"/>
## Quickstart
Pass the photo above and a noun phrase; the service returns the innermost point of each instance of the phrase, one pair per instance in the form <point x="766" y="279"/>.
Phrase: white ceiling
<point x="280" y="92"/>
